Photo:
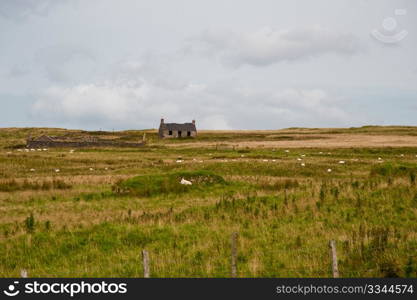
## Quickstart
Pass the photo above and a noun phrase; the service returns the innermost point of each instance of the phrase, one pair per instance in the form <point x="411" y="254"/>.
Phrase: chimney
<point x="193" y="122"/>
<point x="162" y="121"/>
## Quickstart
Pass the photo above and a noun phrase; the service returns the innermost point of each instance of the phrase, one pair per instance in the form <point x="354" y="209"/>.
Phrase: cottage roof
<point x="179" y="127"/>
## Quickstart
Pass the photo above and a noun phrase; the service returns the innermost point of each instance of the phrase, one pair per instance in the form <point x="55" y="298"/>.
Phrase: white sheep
<point x="329" y="170"/>
<point x="185" y="182"/>
<point x="57" y="170"/>
<point x="303" y="164"/>
<point x="341" y="162"/>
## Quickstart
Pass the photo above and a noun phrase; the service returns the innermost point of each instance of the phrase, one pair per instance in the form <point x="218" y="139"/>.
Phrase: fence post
<point x="234" y="255"/>
<point x="145" y="258"/>
<point x="333" y="254"/>
<point x="23" y="273"/>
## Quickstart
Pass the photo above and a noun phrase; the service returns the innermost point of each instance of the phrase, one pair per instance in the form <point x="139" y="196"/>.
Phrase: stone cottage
<point x="175" y="130"/>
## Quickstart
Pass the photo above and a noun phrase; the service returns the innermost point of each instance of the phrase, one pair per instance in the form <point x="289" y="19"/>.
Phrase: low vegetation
<point x="94" y="216"/>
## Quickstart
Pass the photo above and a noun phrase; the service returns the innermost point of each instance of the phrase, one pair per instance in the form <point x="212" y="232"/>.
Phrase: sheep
<point x="299" y="159"/>
<point x="44" y="149"/>
<point x="303" y="164"/>
<point x="91" y="169"/>
<point x="341" y="162"/>
<point x="185" y="182"/>
<point x="179" y="161"/>
<point x="329" y="170"/>
<point x="57" y="170"/>
<point x="32" y="170"/>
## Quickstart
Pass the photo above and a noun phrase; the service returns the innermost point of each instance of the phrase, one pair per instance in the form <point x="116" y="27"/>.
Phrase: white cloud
<point x="268" y="46"/>
<point x="140" y="104"/>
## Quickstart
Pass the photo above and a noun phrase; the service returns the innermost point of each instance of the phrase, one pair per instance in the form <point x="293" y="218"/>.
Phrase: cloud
<point x="65" y="63"/>
<point x="22" y="9"/>
<point x="140" y="104"/>
<point x="269" y="46"/>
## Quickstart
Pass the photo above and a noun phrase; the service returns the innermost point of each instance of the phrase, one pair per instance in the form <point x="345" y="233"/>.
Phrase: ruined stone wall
<point x="69" y="144"/>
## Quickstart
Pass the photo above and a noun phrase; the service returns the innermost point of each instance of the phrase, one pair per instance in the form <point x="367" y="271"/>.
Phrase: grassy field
<point x="287" y="193"/>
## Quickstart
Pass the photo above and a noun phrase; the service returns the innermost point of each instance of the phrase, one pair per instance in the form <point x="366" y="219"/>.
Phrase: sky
<point x="228" y="64"/>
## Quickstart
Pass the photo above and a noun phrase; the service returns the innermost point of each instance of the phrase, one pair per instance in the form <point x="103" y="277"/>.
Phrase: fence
<point x="234" y="270"/>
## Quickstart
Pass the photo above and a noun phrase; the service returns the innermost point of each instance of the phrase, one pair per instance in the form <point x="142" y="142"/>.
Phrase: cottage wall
<point x="165" y="134"/>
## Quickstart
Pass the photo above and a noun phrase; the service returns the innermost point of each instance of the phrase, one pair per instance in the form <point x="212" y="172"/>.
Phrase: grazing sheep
<point x="91" y="169"/>
<point x="185" y="182"/>
<point x="32" y="170"/>
<point x="341" y="162"/>
<point x="303" y="164"/>
<point x="299" y="159"/>
<point x="57" y="170"/>
<point x="179" y="161"/>
<point x="329" y="170"/>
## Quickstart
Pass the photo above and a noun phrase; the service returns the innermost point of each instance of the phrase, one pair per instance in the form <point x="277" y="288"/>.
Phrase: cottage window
<point x="170" y="132"/>
<point x="188" y="133"/>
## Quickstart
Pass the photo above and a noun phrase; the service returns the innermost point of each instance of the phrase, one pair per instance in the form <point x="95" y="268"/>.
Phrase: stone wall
<point x="165" y="134"/>
<point x="69" y="144"/>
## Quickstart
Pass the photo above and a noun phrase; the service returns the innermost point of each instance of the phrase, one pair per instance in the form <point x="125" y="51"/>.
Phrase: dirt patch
<point x="321" y="141"/>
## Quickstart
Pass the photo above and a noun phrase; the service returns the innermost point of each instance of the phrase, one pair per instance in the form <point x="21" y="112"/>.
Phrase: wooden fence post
<point x="234" y="255"/>
<point x="333" y="254"/>
<point x="145" y="258"/>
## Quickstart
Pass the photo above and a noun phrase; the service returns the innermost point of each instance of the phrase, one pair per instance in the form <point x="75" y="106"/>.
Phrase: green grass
<point x="93" y="218"/>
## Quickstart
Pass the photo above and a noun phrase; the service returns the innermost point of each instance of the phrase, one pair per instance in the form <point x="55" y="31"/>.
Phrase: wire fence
<point x="325" y="261"/>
